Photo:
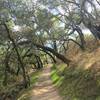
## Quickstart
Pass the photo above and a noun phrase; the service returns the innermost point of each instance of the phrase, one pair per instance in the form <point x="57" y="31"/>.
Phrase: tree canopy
<point x="30" y="29"/>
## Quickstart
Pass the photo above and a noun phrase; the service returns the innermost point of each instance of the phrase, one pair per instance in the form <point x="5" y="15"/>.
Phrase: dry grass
<point x="82" y="77"/>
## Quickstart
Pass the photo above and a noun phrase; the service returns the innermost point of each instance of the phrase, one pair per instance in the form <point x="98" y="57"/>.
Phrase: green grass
<point x="24" y="95"/>
<point x="76" y="84"/>
<point x="34" y="76"/>
<point x="55" y="75"/>
<point x="55" y="78"/>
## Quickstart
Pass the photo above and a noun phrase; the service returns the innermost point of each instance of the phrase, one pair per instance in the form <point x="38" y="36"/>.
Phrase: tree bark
<point x="18" y="55"/>
<point x="49" y="55"/>
<point x="81" y="35"/>
<point x="45" y="48"/>
<point x="39" y="62"/>
<point x="61" y="57"/>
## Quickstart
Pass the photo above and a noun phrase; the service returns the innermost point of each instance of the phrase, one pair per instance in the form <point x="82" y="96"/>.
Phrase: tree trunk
<point x="81" y="37"/>
<point x="61" y="57"/>
<point x="18" y="55"/>
<point x="39" y="62"/>
<point x="49" y="55"/>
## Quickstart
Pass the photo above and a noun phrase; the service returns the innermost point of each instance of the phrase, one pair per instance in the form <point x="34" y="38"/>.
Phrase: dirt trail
<point x="44" y="89"/>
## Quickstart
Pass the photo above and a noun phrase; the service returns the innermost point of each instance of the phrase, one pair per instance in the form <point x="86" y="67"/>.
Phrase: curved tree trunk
<point x="49" y="55"/>
<point x="18" y="55"/>
<point x="39" y="62"/>
<point x="81" y="35"/>
<point x="61" y="57"/>
<point x="45" y="48"/>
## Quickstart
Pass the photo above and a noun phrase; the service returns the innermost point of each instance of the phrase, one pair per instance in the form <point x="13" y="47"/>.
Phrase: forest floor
<point x="43" y="89"/>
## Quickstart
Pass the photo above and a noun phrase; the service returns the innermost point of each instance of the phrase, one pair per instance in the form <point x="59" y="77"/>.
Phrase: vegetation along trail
<point x="44" y="89"/>
<point x="38" y="34"/>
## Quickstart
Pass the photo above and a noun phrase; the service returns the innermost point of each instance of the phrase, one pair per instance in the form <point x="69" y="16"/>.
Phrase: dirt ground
<point x="44" y="89"/>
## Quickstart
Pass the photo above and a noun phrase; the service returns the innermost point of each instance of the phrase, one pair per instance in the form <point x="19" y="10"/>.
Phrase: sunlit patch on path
<point x="44" y="89"/>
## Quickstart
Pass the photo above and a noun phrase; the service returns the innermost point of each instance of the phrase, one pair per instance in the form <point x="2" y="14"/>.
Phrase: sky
<point x="17" y="28"/>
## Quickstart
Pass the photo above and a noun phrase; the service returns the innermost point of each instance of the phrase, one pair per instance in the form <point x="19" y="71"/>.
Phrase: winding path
<point x="44" y="89"/>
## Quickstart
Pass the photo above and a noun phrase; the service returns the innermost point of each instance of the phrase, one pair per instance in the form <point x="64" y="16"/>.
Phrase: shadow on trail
<point x="44" y="89"/>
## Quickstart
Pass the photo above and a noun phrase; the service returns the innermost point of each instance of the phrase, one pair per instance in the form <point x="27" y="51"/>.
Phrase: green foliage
<point x="75" y="84"/>
<point x="34" y="76"/>
<point x="79" y="85"/>
<point x="56" y="78"/>
<point x="5" y="15"/>
<point x="10" y="24"/>
<point x="46" y="23"/>
<point x="33" y="79"/>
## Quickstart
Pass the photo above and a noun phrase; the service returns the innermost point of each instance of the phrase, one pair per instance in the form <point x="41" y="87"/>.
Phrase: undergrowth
<point x="24" y="95"/>
<point x="76" y="84"/>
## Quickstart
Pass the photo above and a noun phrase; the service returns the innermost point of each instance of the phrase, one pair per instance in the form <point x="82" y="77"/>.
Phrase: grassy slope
<point x="81" y="80"/>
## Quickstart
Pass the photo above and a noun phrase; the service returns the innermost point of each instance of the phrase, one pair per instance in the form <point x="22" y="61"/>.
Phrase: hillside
<point x="80" y="80"/>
